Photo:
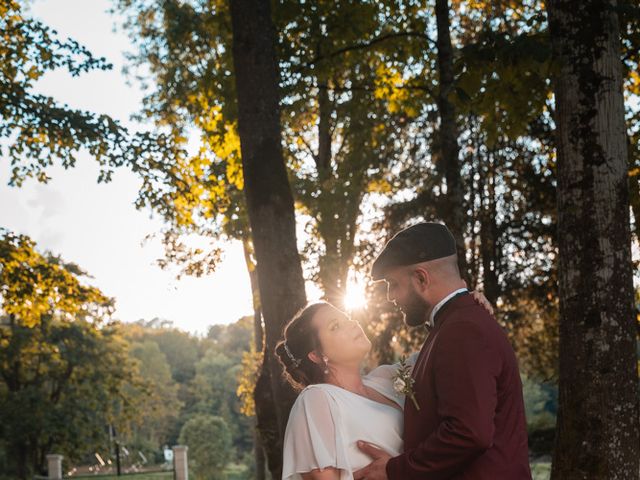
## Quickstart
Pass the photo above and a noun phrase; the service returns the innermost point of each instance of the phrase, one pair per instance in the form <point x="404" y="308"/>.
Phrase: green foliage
<point x="67" y="372"/>
<point x="202" y="372"/>
<point x="41" y="130"/>
<point x="212" y="383"/>
<point x="185" y="48"/>
<point x="359" y="116"/>
<point x="247" y="379"/>
<point x="213" y="391"/>
<point x="540" y="403"/>
<point x="232" y="339"/>
<point x="505" y="80"/>
<point x="158" y="405"/>
<point x="209" y="441"/>
<point x="180" y="349"/>
<point x="34" y="286"/>
<point x="64" y="369"/>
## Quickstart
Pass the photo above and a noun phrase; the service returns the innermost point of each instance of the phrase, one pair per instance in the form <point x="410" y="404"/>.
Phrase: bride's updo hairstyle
<point x="300" y="339"/>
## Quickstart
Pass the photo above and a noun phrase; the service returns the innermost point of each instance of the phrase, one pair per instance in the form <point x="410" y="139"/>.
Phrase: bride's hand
<point x="482" y="300"/>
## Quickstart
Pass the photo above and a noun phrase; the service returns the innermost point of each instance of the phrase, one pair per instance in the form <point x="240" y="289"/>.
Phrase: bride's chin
<point x="361" y="351"/>
<point x="366" y="348"/>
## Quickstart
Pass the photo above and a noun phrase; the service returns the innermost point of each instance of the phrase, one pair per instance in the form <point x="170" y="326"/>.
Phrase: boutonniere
<point x="403" y="382"/>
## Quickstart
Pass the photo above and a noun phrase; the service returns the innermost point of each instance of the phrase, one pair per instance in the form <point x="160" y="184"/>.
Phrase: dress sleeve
<point x="313" y="437"/>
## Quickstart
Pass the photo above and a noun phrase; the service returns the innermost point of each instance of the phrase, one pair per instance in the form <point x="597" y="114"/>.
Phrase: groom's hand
<point x="376" y="470"/>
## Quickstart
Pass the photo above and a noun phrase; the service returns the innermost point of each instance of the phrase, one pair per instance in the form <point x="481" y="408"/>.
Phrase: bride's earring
<point x="326" y="364"/>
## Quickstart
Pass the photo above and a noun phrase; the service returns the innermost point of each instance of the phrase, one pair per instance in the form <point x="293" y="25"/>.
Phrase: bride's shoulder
<point x="317" y="391"/>
<point x="317" y="400"/>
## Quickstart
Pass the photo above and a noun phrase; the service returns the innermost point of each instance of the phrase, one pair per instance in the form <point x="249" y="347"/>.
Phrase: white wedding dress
<point x="326" y="422"/>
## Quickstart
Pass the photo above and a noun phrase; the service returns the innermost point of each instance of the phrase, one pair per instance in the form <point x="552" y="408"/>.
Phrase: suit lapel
<point x="425" y="352"/>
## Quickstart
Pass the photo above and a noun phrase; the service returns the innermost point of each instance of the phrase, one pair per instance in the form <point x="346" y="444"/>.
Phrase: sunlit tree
<point x="64" y="370"/>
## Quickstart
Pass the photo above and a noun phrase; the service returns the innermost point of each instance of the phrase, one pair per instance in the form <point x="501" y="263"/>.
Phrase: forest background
<point x="391" y="113"/>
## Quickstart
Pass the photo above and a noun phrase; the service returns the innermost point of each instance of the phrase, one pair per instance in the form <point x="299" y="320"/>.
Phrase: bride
<point x="322" y="353"/>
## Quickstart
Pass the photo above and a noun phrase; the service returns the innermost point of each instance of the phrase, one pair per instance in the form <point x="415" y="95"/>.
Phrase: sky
<point x="96" y="225"/>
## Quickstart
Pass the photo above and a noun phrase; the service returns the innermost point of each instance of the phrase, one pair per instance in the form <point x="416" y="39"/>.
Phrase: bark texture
<point x="269" y="204"/>
<point x="598" y="427"/>
<point x="258" y="339"/>
<point x="449" y="150"/>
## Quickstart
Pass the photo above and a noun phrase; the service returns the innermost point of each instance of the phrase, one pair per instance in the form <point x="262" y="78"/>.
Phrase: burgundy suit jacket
<point x="471" y="423"/>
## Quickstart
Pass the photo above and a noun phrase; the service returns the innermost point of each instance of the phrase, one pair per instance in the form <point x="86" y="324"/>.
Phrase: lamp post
<point x="113" y="435"/>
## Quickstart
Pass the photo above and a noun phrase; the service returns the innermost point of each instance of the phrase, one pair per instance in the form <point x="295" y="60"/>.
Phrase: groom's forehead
<point x="395" y="273"/>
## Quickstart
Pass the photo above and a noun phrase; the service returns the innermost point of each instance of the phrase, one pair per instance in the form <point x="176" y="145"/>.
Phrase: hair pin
<point x="294" y="360"/>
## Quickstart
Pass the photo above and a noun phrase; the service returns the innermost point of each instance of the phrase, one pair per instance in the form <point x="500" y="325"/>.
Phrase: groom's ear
<point x="421" y="277"/>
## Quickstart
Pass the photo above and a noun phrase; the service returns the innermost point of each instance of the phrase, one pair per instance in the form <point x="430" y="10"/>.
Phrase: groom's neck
<point x="444" y="289"/>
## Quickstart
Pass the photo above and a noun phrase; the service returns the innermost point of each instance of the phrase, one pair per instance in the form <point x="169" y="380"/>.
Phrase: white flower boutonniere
<point x="403" y="382"/>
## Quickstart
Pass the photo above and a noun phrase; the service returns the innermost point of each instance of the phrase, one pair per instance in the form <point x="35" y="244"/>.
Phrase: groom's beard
<point x="415" y="310"/>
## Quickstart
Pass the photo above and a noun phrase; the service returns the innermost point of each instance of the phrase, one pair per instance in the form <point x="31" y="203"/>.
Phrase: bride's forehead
<point x="326" y="315"/>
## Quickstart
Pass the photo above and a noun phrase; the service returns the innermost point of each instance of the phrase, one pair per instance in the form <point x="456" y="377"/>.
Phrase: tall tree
<point x="267" y="190"/>
<point x="598" y="433"/>
<point x="339" y="128"/>
<point x="338" y="61"/>
<point x="449" y="150"/>
<point x="209" y="439"/>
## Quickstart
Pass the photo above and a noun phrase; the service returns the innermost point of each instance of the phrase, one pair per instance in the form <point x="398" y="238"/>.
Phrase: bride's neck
<point x="348" y="378"/>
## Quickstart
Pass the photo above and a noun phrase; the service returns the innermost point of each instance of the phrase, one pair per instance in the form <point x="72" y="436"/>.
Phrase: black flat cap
<point x="419" y="243"/>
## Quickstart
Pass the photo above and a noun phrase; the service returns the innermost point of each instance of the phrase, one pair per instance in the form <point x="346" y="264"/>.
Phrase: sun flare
<point x="355" y="298"/>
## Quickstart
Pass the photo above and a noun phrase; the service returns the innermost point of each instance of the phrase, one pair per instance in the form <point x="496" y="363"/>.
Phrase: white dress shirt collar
<point x="441" y="303"/>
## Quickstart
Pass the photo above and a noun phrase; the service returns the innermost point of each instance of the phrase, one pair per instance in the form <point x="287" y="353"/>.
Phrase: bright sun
<point x="355" y="298"/>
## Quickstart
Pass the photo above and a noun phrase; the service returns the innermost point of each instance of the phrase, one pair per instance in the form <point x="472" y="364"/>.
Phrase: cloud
<point x="49" y="200"/>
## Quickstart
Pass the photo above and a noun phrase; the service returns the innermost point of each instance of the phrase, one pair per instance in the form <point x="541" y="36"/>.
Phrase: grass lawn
<point x="539" y="471"/>
<point x="129" y="476"/>
<point x="235" y="471"/>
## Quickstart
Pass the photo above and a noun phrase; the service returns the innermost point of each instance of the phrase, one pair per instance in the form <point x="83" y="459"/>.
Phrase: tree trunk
<point x="267" y="420"/>
<point x="268" y="194"/>
<point x="22" y="461"/>
<point x="258" y="340"/>
<point x="634" y="193"/>
<point x="331" y="278"/>
<point x="448" y="134"/>
<point x="258" y="330"/>
<point x="489" y="231"/>
<point x="598" y="426"/>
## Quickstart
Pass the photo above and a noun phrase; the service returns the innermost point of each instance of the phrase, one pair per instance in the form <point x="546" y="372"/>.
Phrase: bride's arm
<point x="324" y="474"/>
<point x="311" y="443"/>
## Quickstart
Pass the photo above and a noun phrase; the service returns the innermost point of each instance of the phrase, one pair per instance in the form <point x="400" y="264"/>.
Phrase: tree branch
<point x="364" y="46"/>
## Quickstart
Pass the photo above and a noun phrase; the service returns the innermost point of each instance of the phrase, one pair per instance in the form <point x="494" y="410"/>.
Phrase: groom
<point x="470" y="423"/>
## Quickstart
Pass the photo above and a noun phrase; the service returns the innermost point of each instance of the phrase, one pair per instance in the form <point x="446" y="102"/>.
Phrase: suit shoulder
<point x="475" y="317"/>
<point x="474" y="321"/>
